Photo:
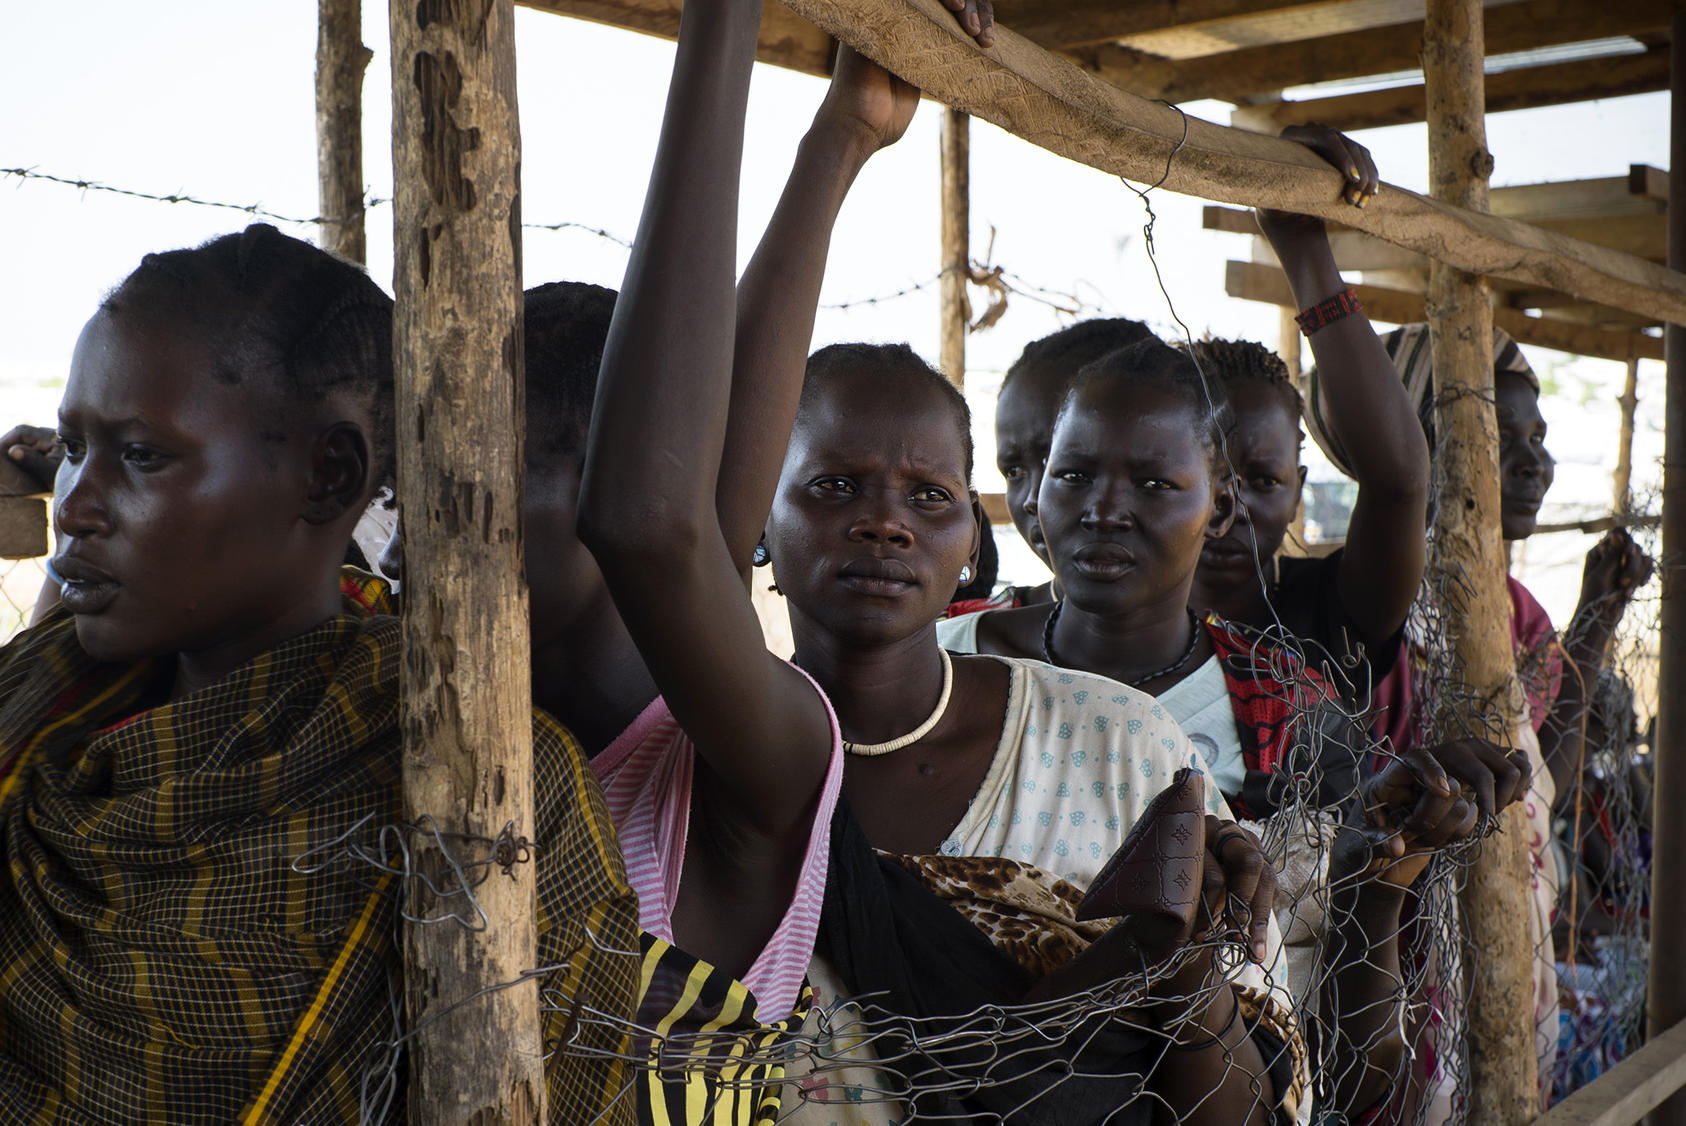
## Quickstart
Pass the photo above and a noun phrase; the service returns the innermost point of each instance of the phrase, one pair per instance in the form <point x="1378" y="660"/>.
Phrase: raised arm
<point x="647" y="504"/>
<point x="1367" y="408"/>
<point x="866" y="109"/>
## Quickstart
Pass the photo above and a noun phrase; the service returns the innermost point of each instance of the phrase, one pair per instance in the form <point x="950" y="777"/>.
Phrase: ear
<point x="339" y="474"/>
<point x="1223" y="506"/>
<point x="981" y="527"/>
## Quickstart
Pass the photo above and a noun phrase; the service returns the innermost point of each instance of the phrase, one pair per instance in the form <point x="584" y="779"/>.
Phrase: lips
<point x="1103" y="560"/>
<point x="878" y="577"/>
<point x="1227" y="553"/>
<point x="86" y="589"/>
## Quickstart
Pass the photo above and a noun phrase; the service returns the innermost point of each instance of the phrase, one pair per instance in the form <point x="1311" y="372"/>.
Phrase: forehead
<point x="1109" y="418"/>
<point x="1029" y="404"/>
<point x="1515" y="398"/>
<point x="1264" y="424"/>
<point x="128" y="369"/>
<point x="855" y="420"/>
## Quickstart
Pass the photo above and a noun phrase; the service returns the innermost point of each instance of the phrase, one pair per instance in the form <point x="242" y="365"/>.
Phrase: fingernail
<point x="1353" y="172"/>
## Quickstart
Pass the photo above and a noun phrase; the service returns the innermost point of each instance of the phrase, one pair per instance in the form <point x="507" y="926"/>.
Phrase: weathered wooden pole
<point x="956" y="242"/>
<point x="1622" y="501"/>
<point x="1668" y="907"/>
<point x="341" y="60"/>
<point x="475" y="1054"/>
<point x="1469" y="551"/>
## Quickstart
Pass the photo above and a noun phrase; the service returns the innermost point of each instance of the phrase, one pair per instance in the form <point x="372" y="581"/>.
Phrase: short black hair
<point x="1154" y="364"/>
<point x="1237" y="362"/>
<point x="567" y="324"/>
<point x="1076" y="346"/>
<point x="272" y="303"/>
<point x="888" y="359"/>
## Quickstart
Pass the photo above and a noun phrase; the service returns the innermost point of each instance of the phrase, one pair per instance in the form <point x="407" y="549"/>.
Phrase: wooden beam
<point x="1053" y="104"/>
<point x="1097" y="21"/>
<point x="995" y="507"/>
<point x="1523" y="88"/>
<point x="1238" y="75"/>
<point x="785" y="39"/>
<point x="953" y="311"/>
<point x="1631" y="1089"/>
<point x="23" y="527"/>
<point x="475" y="1050"/>
<point x="1621" y="482"/>
<point x="341" y="60"/>
<point x="1255" y="281"/>
<point x="1466" y="548"/>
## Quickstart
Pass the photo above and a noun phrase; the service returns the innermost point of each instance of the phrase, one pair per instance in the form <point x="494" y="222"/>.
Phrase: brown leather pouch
<point x="1158" y="870"/>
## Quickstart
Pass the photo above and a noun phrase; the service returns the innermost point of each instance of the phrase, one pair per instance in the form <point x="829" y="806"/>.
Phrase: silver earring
<point x="965" y="575"/>
<point x="760" y="558"/>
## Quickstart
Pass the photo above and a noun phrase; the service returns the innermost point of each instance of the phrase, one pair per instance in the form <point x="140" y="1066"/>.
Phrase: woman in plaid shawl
<point x="211" y="703"/>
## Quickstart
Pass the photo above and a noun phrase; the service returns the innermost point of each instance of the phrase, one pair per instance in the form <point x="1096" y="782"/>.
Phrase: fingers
<point x="976" y="18"/>
<point x="1249" y="881"/>
<point x="42" y="465"/>
<point x="1350" y="158"/>
<point x="1412" y="793"/>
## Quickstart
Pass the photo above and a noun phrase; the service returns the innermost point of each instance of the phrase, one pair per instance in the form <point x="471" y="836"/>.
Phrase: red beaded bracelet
<point x="1343" y="304"/>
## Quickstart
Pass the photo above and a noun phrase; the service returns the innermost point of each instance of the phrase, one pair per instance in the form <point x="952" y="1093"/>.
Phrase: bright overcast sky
<point x="215" y="100"/>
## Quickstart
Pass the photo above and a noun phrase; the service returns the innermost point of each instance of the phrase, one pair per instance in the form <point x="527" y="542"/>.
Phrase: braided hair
<point x="567" y="324"/>
<point x="1075" y="346"/>
<point x="1247" y="362"/>
<point x="278" y="307"/>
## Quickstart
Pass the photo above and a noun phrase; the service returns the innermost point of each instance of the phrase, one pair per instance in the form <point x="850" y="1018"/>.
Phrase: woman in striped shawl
<point x="188" y="738"/>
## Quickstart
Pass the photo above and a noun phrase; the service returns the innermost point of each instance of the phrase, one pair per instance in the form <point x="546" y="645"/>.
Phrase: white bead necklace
<point x="869" y="750"/>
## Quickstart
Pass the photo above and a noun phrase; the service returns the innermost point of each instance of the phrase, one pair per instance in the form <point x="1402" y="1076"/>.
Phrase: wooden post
<point x="956" y="234"/>
<point x="1667" y="1006"/>
<point x="1468" y="550"/>
<point x="341" y="60"/>
<point x="1629" y="402"/>
<point x="1288" y="346"/>
<point x="475" y="1055"/>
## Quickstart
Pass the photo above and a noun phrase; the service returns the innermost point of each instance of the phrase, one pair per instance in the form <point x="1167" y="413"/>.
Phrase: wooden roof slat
<point x="1285" y="25"/>
<point x="1082" y="22"/>
<point x="1059" y="107"/>
<point x="1238" y="75"/>
<point x="1522" y="88"/>
<point x="786" y="39"/>
<point x="1254" y="281"/>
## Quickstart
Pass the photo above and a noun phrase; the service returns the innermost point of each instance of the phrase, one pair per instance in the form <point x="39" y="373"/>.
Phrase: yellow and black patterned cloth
<point x="162" y="961"/>
<point x="707" y="1060"/>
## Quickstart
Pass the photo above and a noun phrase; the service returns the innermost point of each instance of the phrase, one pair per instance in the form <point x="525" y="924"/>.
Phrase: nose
<point x="1032" y="488"/>
<point x="879" y="522"/>
<point x="79" y="502"/>
<point x="1109" y="511"/>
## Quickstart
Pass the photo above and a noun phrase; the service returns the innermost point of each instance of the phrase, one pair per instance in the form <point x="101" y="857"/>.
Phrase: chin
<point x="104" y="641"/>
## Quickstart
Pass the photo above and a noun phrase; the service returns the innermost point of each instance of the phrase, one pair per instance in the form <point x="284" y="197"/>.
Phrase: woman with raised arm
<point x="1351" y="604"/>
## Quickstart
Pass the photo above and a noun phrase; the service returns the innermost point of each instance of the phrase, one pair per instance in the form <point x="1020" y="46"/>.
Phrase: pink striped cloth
<point x="646" y="775"/>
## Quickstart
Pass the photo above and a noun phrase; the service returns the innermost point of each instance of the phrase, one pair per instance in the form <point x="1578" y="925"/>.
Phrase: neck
<point x="1128" y="646"/>
<point x="1244" y="602"/>
<point x="591" y="677"/>
<point x="204" y="667"/>
<point x="879" y="692"/>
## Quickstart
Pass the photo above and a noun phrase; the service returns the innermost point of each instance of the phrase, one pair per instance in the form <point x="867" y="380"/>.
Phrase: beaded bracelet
<point x="1343" y="304"/>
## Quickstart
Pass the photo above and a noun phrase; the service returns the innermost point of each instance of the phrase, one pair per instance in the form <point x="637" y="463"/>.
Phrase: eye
<point x="1013" y="472"/>
<point x="1157" y="485"/>
<point x="1263" y="482"/>
<point x="144" y="457"/>
<point x="74" y="448"/>
<point x="932" y="495"/>
<point x="1071" y="476"/>
<point x="837" y="486"/>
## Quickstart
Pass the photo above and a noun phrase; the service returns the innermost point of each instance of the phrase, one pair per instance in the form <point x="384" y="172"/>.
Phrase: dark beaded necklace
<point x="1193" y="643"/>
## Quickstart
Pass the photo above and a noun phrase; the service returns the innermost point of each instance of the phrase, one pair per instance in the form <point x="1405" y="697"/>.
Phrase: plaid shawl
<point x="1292" y="734"/>
<point x="162" y="960"/>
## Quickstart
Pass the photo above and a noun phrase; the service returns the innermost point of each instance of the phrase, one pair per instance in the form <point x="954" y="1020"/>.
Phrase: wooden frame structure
<point x="1080" y="79"/>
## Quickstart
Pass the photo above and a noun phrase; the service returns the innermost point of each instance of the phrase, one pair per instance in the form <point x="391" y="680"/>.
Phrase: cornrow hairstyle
<point x="1238" y="362"/>
<point x="1153" y="364"/>
<point x="1077" y="345"/>
<point x="271" y="304"/>
<point x="898" y="360"/>
<point x="567" y="324"/>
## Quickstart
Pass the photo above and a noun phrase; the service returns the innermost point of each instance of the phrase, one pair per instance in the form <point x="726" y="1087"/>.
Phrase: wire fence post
<point x="1468" y="550"/>
<point x="466" y="699"/>
<point x="341" y="60"/>
<point x="956" y="240"/>
<point x="1668" y="907"/>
